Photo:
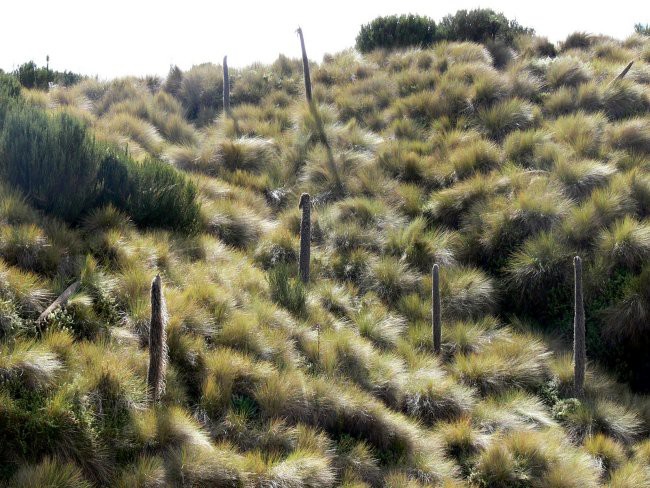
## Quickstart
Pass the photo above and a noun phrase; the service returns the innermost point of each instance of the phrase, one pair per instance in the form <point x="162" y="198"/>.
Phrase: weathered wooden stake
<point x="226" y="87"/>
<point x="436" y="320"/>
<point x="157" y="342"/>
<point x="305" y="66"/>
<point x="579" y="346"/>
<point x="305" y="236"/>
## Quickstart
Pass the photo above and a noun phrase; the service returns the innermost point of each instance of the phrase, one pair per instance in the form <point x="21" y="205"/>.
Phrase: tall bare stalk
<point x="436" y="316"/>
<point x="157" y="342"/>
<point x="579" y="343"/>
<point x="305" y="236"/>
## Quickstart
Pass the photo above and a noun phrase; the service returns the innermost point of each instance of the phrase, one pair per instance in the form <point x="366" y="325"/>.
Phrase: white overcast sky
<point x="120" y="37"/>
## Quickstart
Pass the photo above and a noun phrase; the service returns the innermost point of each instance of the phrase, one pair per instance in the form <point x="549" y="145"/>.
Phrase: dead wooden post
<point x="579" y="345"/>
<point x="305" y="66"/>
<point x="305" y="236"/>
<point x="226" y="87"/>
<point x="436" y="316"/>
<point x="157" y="342"/>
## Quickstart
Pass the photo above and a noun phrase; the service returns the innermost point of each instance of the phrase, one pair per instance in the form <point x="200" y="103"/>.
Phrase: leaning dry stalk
<point x="60" y="301"/>
<point x="226" y="87"/>
<point x="305" y="236"/>
<point x="305" y="66"/>
<point x="579" y="346"/>
<point x="157" y="341"/>
<point x="435" y="310"/>
<point x="621" y="75"/>
<point x="624" y="72"/>
<point x="314" y="110"/>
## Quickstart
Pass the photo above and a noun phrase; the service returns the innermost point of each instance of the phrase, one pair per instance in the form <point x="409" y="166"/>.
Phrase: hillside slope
<point x="498" y="175"/>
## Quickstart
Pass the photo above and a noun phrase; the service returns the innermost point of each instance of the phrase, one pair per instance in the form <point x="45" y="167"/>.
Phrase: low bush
<point x="395" y="32"/>
<point x="51" y="159"/>
<point x="480" y="25"/>
<point x="152" y="193"/>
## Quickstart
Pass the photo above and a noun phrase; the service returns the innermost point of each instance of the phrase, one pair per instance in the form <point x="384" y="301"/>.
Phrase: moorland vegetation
<point x="497" y="159"/>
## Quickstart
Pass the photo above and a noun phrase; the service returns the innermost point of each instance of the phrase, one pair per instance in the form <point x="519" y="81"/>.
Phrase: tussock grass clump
<point x="383" y="329"/>
<point x="546" y="457"/>
<point x="419" y="247"/>
<point x="29" y="365"/>
<point x="624" y="98"/>
<point x="609" y="452"/>
<point x="602" y="416"/>
<point x="232" y="224"/>
<point x="582" y="132"/>
<point x="24" y="246"/>
<point x="632" y="135"/>
<point x="538" y="270"/>
<point x="52" y="473"/>
<point x="466" y="292"/>
<point x="504" y="117"/>
<point x="626" y="244"/>
<point x="503" y="364"/>
<point x="390" y="278"/>
<point x="433" y="398"/>
<point x="248" y="153"/>
<point x="629" y="317"/>
<point x="579" y="178"/>
<point x="480" y="156"/>
<point x="138" y="130"/>
<point x="280" y="247"/>
<point x="448" y="206"/>
<point x="567" y="71"/>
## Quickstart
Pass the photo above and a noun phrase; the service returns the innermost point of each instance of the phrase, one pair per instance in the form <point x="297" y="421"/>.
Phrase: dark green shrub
<point x="9" y="92"/>
<point x="52" y="159"/>
<point x="643" y="29"/>
<point x="31" y="76"/>
<point x="395" y="32"/>
<point x="152" y="193"/>
<point x="9" y="87"/>
<point x="480" y="25"/>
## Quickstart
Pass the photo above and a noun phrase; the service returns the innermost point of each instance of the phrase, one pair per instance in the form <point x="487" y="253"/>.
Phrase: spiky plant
<point x="157" y="342"/>
<point x="579" y="341"/>
<point x="305" y="236"/>
<point x="436" y="316"/>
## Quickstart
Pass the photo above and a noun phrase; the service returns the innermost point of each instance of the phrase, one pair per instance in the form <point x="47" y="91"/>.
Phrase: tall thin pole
<point x="226" y="87"/>
<point x="436" y="318"/>
<point x="305" y="236"/>
<point x="579" y="345"/>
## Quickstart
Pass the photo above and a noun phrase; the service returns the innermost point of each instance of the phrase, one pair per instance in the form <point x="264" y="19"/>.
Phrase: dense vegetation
<point x="498" y="168"/>
<point x="30" y="75"/>
<point x="478" y="25"/>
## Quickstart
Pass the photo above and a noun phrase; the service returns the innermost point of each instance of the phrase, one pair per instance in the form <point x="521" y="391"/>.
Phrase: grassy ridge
<point x="499" y="175"/>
